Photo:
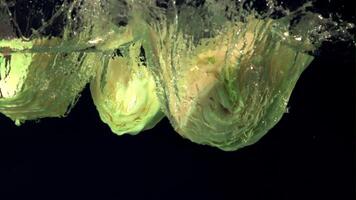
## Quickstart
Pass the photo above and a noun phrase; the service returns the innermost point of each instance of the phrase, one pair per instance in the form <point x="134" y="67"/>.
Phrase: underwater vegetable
<point x="37" y="85"/>
<point x="226" y="87"/>
<point x="221" y="71"/>
<point x="42" y="75"/>
<point x="124" y="92"/>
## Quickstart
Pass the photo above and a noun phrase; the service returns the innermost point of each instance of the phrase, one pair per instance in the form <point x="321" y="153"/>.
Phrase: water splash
<point x="223" y="70"/>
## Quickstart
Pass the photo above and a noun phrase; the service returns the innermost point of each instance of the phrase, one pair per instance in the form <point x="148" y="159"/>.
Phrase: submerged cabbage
<point x="37" y="85"/>
<point x="220" y="71"/>
<point x="42" y="75"/>
<point x="225" y="88"/>
<point x="124" y="92"/>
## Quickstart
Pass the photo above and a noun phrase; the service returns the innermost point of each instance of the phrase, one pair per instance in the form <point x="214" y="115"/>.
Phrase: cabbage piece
<point x="223" y="84"/>
<point x="124" y="92"/>
<point x="35" y="84"/>
<point x="41" y="75"/>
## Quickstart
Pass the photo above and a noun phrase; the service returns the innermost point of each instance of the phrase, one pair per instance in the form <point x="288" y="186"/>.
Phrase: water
<point x="223" y="70"/>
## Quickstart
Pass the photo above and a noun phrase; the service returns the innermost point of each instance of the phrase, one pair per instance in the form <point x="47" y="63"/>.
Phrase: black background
<point x="309" y="154"/>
